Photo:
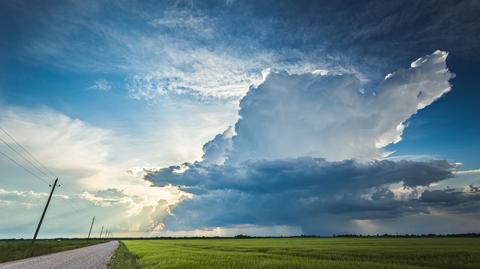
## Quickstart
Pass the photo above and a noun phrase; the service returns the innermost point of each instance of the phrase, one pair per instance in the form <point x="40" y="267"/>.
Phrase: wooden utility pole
<point x="44" y="210"/>
<point x="101" y="232"/>
<point x="89" y="232"/>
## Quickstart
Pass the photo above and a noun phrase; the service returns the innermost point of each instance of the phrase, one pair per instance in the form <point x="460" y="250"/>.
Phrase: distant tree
<point x="240" y="236"/>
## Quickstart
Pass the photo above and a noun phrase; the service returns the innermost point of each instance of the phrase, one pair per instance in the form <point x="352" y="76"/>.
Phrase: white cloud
<point x="468" y="172"/>
<point x="100" y="85"/>
<point x="145" y="87"/>
<point x="48" y="133"/>
<point x="20" y="198"/>
<point x="181" y="21"/>
<point x="217" y="150"/>
<point x="110" y="197"/>
<point x="330" y="116"/>
<point x="199" y="72"/>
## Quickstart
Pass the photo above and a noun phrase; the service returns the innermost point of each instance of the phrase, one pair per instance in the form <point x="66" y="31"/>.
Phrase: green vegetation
<point x="358" y="253"/>
<point x="123" y="259"/>
<point x="19" y="249"/>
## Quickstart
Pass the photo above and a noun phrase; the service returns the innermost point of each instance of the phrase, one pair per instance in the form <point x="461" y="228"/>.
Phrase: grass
<point x="19" y="249"/>
<point x="123" y="259"/>
<point x="358" y="253"/>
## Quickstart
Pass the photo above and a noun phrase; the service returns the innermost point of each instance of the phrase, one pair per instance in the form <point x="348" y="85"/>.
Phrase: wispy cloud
<point x="184" y="22"/>
<point x="175" y="52"/>
<point x="100" y="85"/>
<point x="219" y="51"/>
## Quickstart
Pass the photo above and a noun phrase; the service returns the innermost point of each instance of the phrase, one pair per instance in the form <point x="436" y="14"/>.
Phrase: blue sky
<point x="151" y="111"/>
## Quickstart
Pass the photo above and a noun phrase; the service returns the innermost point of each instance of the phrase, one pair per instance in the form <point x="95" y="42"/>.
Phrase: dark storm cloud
<point x="295" y="191"/>
<point x="450" y="199"/>
<point x="310" y="193"/>
<point x="309" y="175"/>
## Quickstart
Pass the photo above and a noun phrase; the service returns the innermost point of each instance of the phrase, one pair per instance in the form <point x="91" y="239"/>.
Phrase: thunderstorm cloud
<point x="308" y="151"/>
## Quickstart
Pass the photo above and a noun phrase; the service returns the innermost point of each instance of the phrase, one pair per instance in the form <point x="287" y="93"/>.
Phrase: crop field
<point x="377" y="253"/>
<point x="19" y="249"/>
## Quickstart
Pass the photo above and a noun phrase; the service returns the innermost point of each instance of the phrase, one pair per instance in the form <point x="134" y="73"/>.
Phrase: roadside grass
<point x="11" y="250"/>
<point x="123" y="259"/>
<point x="346" y="253"/>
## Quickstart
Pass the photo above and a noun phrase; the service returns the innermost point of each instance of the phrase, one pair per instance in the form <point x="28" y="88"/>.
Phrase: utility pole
<point x="89" y="232"/>
<point x="44" y="210"/>
<point x="101" y="232"/>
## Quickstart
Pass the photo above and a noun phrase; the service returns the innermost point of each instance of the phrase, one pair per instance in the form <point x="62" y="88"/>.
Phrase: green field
<point x="308" y="253"/>
<point x="19" y="249"/>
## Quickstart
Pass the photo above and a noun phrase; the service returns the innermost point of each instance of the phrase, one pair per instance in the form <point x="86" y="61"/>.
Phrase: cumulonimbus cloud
<point x="310" y="146"/>
<point x="331" y="116"/>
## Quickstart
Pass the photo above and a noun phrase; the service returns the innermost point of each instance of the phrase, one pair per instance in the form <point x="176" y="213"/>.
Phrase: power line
<point x="23" y="167"/>
<point x="23" y="157"/>
<point x="37" y="166"/>
<point x="28" y="152"/>
<point x="37" y="161"/>
<point x="33" y="158"/>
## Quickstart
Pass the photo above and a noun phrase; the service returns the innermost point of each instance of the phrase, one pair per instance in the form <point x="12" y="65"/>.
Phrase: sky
<point x="215" y="118"/>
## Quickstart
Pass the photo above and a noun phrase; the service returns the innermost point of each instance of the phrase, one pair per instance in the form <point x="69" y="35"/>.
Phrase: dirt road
<point x="96" y="256"/>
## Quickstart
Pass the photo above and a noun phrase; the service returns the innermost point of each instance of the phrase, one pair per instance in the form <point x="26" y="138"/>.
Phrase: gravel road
<point x="96" y="256"/>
